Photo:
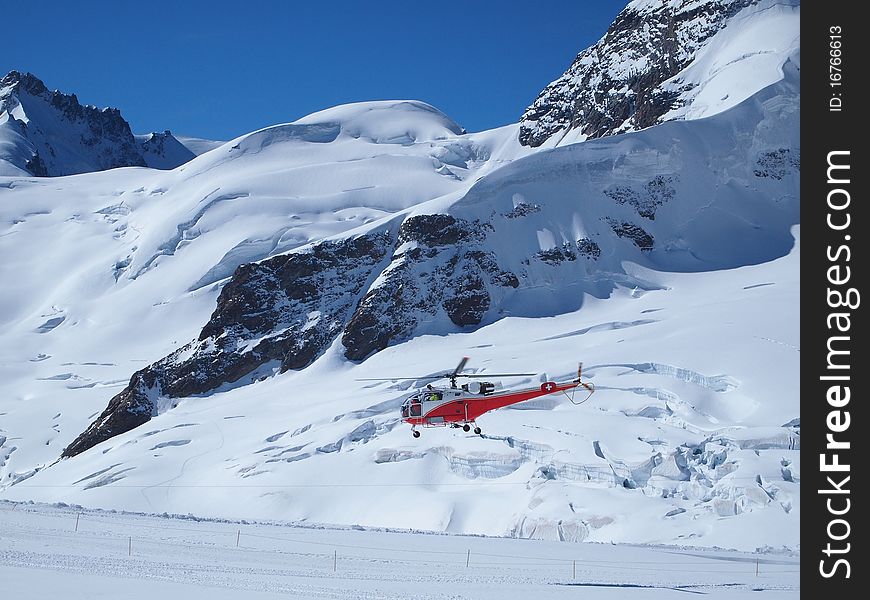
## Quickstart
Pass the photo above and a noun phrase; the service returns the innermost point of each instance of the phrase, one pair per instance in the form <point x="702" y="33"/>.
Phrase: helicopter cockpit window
<point x="432" y="396"/>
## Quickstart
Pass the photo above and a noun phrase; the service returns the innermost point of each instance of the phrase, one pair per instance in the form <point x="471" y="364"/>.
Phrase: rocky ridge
<point x="617" y="84"/>
<point x="282" y="313"/>
<point x="49" y="133"/>
<point x="271" y="316"/>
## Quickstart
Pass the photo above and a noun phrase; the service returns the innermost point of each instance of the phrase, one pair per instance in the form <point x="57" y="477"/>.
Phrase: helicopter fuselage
<point x="457" y="407"/>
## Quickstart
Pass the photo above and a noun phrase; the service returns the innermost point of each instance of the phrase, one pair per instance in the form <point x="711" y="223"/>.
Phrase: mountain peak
<point x="658" y="59"/>
<point x="28" y="81"/>
<point x="163" y="150"/>
<point x="50" y="133"/>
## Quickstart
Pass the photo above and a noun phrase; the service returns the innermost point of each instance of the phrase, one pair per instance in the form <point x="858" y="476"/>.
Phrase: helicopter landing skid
<point x="466" y="427"/>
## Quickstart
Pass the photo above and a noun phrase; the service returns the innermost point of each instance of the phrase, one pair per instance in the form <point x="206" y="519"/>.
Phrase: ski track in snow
<point x="167" y="484"/>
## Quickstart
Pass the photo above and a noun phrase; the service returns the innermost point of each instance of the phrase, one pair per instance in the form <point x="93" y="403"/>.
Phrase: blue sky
<point x="220" y="69"/>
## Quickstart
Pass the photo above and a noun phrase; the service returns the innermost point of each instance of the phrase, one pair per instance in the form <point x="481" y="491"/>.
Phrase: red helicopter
<point x="460" y="406"/>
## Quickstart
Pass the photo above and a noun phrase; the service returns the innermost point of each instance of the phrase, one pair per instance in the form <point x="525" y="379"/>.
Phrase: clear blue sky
<point x="219" y="69"/>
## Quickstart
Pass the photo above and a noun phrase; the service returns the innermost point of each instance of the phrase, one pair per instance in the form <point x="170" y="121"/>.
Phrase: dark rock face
<point x="126" y="411"/>
<point x="36" y="167"/>
<point x="521" y="210"/>
<point x="163" y="151"/>
<point x="299" y="301"/>
<point x="656" y="192"/>
<point x="641" y="238"/>
<point x="280" y="313"/>
<point x="445" y="271"/>
<point x="440" y="230"/>
<point x="554" y="256"/>
<point x="616" y="85"/>
<point x="582" y="248"/>
<point x="101" y="138"/>
<point x="778" y="163"/>
<point x="588" y="249"/>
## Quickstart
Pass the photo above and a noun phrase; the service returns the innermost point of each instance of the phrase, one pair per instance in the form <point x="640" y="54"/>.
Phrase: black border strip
<point x="833" y="234"/>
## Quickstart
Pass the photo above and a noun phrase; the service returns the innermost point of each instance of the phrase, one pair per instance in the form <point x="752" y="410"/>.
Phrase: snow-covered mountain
<point x="248" y="290"/>
<point x="664" y="60"/>
<point x="163" y="150"/>
<point x="48" y="134"/>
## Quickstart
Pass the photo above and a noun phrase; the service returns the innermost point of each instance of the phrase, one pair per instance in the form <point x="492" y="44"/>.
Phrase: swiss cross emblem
<point x="548" y="387"/>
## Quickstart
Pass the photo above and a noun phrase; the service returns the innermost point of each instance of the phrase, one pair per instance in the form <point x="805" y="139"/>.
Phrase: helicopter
<point x="460" y="406"/>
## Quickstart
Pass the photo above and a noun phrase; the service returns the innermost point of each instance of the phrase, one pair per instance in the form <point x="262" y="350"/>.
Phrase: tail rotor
<point x="590" y="387"/>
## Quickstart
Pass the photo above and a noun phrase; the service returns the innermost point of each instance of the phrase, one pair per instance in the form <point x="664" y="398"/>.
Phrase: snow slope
<point x="198" y="145"/>
<point x="742" y="58"/>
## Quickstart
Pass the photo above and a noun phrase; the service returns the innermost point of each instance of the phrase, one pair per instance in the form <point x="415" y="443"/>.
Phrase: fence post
<point x="334" y="560"/>
<point x="468" y="558"/>
<point x="574" y="574"/>
<point x="756" y="567"/>
<point x="77" y="521"/>
<point x="130" y="546"/>
<point x="238" y="536"/>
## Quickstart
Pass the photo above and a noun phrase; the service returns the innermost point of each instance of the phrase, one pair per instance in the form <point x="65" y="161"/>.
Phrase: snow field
<point x="101" y="552"/>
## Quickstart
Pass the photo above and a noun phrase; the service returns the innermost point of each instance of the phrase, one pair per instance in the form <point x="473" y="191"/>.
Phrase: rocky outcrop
<point x="163" y="150"/>
<point x="35" y="166"/>
<point x="441" y="269"/>
<point x="656" y="192"/>
<point x="778" y="163"/>
<point x="570" y="251"/>
<point x="283" y="312"/>
<point x="637" y="234"/>
<point x="616" y="85"/>
<point x="127" y="410"/>
<point x="271" y="316"/>
<point x="294" y="304"/>
<point x="588" y="248"/>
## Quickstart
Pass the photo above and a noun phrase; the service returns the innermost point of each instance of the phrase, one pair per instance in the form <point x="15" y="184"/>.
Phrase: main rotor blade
<point x="460" y="366"/>
<point x="447" y="376"/>
<point x="397" y="378"/>
<point x="500" y="375"/>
